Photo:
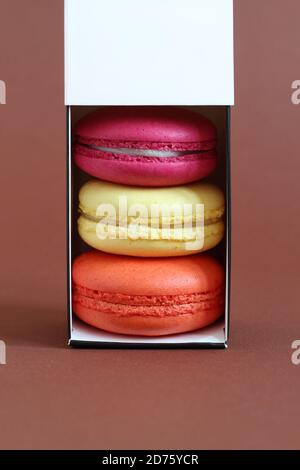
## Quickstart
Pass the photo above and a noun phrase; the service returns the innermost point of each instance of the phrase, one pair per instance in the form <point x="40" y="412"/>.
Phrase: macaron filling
<point x="148" y="152"/>
<point x="196" y="146"/>
<point x="156" y="229"/>
<point x="213" y="217"/>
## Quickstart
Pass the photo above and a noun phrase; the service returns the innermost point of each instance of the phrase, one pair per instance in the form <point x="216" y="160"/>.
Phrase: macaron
<point x="147" y="297"/>
<point x="145" y="145"/>
<point x="149" y="222"/>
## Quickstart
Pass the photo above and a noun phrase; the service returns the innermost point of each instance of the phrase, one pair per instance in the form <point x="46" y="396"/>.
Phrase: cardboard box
<point x="163" y="52"/>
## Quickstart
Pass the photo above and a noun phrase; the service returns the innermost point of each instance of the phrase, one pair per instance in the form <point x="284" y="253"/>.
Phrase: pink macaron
<point x="146" y="145"/>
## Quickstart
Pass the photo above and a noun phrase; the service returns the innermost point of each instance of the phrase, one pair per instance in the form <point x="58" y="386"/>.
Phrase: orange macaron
<point x="149" y="296"/>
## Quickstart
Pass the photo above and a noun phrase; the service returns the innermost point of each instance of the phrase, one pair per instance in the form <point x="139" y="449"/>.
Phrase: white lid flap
<point x="151" y="52"/>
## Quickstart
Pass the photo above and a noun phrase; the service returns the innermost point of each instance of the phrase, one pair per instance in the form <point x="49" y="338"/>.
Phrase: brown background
<point x="246" y="397"/>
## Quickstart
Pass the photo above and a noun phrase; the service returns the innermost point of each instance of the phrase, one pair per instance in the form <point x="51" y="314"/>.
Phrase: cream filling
<point x="144" y="152"/>
<point x="210" y="217"/>
<point x="134" y="231"/>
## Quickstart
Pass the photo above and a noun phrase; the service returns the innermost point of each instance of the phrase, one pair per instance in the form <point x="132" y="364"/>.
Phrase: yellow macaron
<point x="137" y="221"/>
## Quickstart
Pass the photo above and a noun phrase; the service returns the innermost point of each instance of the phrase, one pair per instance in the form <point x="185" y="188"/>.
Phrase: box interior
<point x="215" y="334"/>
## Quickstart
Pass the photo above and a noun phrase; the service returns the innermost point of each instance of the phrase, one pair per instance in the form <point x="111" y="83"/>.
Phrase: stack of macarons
<point x="148" y="216"/>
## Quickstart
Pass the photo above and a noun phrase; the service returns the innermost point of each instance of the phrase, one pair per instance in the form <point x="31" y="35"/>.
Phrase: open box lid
<point x="138" y="52"/>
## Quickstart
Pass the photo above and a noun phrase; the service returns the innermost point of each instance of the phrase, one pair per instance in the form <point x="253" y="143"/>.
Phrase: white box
<point x="158" y="52"/>
<point x="164" y="52"/>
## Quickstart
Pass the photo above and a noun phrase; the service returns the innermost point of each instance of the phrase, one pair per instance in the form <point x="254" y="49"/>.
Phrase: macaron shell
<point x="146" y="172"/>
<point x="146" y="124"/>
<point x="132" y="276"/>
<point x="95" y="192"/>
<point x="148" y="326"/>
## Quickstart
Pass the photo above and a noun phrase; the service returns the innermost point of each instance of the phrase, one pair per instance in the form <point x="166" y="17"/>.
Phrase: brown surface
<point x="246" y="397"/>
